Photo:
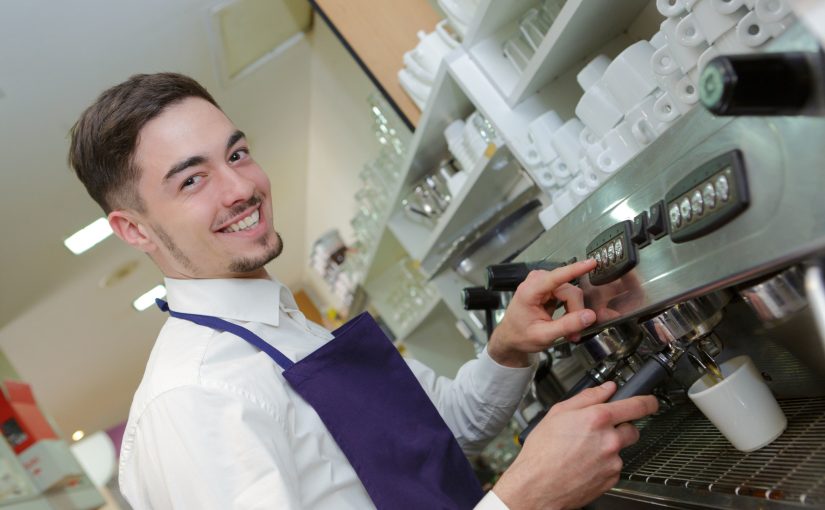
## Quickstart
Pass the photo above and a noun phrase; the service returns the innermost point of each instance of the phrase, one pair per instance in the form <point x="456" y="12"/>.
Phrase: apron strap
<point x="222" y="325"/>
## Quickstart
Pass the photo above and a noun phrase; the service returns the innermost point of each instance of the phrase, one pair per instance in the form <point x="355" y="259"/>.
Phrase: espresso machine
<point x="709" y="245"/>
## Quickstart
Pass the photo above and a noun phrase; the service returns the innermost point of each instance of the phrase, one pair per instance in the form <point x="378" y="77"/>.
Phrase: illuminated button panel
<point x="707" y="198"/>
<point x="614" y="253"/>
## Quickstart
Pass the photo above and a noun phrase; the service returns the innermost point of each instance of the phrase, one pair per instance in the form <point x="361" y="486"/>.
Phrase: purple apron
<point x="378" y="413"/>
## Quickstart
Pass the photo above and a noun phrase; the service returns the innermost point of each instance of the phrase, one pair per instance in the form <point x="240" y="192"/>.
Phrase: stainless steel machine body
<point x="682" y="461"/>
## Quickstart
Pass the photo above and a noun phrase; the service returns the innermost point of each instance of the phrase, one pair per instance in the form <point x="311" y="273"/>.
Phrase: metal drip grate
<point x="682" y="448"/>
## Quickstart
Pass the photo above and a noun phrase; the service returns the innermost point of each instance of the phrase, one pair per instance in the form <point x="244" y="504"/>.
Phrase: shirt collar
<point x="242" y="299"/>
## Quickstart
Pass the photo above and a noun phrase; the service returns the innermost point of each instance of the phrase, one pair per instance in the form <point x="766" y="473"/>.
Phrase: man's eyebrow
<point x="183" y="165"/>
<point x="237" y="135"/>
<point x="198" y="160"/>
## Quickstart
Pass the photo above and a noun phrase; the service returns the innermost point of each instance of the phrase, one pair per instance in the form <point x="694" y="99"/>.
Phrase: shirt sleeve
<point x="479" y="402"/>
<point x="205" y="448"/>
<point x="491" y="502"/>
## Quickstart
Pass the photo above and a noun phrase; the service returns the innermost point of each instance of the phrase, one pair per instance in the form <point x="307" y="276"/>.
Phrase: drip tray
<point x="682" y="450"/>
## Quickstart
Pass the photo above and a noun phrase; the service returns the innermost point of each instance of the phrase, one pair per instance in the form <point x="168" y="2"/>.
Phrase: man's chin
<point x="249" y="265"/>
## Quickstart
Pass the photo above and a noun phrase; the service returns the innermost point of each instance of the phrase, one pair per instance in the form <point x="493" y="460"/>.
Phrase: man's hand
<point x="528" y="324"/>
<point x="572" y="456"/>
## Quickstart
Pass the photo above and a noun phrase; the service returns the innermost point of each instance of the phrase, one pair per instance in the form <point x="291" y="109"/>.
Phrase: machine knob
<point x="759" y="84"/>
<point x="479" y="298"/>
<point x="506" y="277"/>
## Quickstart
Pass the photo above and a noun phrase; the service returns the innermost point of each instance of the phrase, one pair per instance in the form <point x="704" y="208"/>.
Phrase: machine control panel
<point x="707" y="198"/>
<point x="614" y="252"/>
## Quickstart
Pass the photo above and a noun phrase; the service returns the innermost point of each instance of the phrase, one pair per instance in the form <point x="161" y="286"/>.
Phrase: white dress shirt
<point x="214" y="425"/>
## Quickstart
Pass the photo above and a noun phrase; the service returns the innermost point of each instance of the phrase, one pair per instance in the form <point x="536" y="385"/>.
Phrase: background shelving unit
<point x="477" y="77"/>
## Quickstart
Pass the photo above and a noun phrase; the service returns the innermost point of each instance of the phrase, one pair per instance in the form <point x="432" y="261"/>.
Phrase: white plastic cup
<point x="598" y="109"/>
<point x="592" y="72"/>
<point x="741" y="406"/>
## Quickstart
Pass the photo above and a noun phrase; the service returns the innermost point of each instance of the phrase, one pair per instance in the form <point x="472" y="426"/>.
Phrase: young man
<point x="246" y="404"/>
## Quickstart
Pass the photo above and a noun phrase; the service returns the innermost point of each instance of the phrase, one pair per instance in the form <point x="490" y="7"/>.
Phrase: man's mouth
<point x="245" y="223"/>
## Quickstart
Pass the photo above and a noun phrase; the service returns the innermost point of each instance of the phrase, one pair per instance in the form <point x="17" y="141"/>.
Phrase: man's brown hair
<point x="104" y="139"/>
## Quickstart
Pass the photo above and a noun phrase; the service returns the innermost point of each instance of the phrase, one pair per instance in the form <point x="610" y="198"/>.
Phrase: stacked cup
<point x="417" y="77"/>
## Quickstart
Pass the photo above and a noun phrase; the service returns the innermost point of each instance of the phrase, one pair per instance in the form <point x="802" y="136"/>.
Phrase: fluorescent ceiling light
<point x="148" y="299"/>
<point x="88" y="236"/>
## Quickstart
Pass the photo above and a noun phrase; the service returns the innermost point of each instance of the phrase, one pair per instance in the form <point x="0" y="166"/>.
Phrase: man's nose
<point x="236" y="188"/>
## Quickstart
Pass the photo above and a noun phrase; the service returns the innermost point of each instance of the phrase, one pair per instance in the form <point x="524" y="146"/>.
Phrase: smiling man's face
<point x="208" y="211"/>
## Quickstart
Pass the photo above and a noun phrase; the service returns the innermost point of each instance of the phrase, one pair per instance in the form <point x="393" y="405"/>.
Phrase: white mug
<point x="686" y="57"/>
<point x="671" y="8"/>
<point x="629" y="77"/>
<point x="714" y="21"/>
<point x="688" y="32"/>
<point x="741" y="405"/>
<point x="540" y="130"/>
<point x="566" y="142"/>
<point x="598" y="109"/>
<point x="592" y="72"/>
<point x="620" y="147"/>
<point x="771" y="10"/>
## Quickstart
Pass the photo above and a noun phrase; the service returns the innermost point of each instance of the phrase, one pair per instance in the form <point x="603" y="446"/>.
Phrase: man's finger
<point x="542" y="286"/>
<point x="628" y="434"/>
<point x="632" y="408"/>
<point x="588" y="397"/>
<point x="571" y="296"/>
<point x="567" y="325"/>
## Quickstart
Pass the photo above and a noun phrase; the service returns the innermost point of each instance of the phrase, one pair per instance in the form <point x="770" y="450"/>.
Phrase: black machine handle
<point x="479" y="298"/>
<point x="506" y="277"/>
<point x="648" y="377"/>
<point x="760" y="84"/>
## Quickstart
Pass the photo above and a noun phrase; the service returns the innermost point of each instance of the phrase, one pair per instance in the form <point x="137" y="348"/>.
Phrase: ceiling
<point x="75" y="341"/>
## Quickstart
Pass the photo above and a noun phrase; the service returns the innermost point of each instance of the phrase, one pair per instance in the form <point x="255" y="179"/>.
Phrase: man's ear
<point x="127" y="226"/>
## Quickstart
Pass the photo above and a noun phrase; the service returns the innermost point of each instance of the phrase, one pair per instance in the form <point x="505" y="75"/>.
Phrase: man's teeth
<point x="246" y="223"/>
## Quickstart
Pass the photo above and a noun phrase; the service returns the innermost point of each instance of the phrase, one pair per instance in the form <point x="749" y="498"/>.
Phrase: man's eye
<point x="191" y="181"/>
<point x="238" y="155"/>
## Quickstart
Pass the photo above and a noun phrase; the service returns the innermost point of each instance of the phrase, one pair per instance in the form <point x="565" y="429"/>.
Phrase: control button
<point x="638" y="232"/>
<point x="598" y="257"/>
<point x="657" y="221"/>
<point x="696" y="203"/>
<point x="722" y="189"/>
<point x="675" y="216"/>
<point x="617" y="252"/>
<point x="709" y="195"/>
<point x="684" y="206"/>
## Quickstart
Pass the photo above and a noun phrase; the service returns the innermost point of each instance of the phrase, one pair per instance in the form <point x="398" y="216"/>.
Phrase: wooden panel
<point x="307" y="307"/>
<point x="378" y="33"/>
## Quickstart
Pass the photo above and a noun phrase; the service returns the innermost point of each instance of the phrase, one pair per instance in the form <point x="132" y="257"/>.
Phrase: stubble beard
<point x="248" y="265"/>
<point x="241" y="265"/>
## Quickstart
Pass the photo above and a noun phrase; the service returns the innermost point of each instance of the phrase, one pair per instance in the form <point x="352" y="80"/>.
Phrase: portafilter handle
<point x="506" y="277"/>
<point x="650" y="375"/>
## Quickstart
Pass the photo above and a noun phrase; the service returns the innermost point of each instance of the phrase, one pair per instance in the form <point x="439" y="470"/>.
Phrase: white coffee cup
<point x="539" y="132"/>
<point x="741" y="406"/>
<point x="714" y="22"/>
<point x="629" y="77"/>
<point x="592" y="72"/>
<point x="670" y="8"/>
<point x="598" y="109"/>
<point x="566" y="142"/>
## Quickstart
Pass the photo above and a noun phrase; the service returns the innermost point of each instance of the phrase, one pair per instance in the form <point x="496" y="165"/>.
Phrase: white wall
<point x="82" y="347"/>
